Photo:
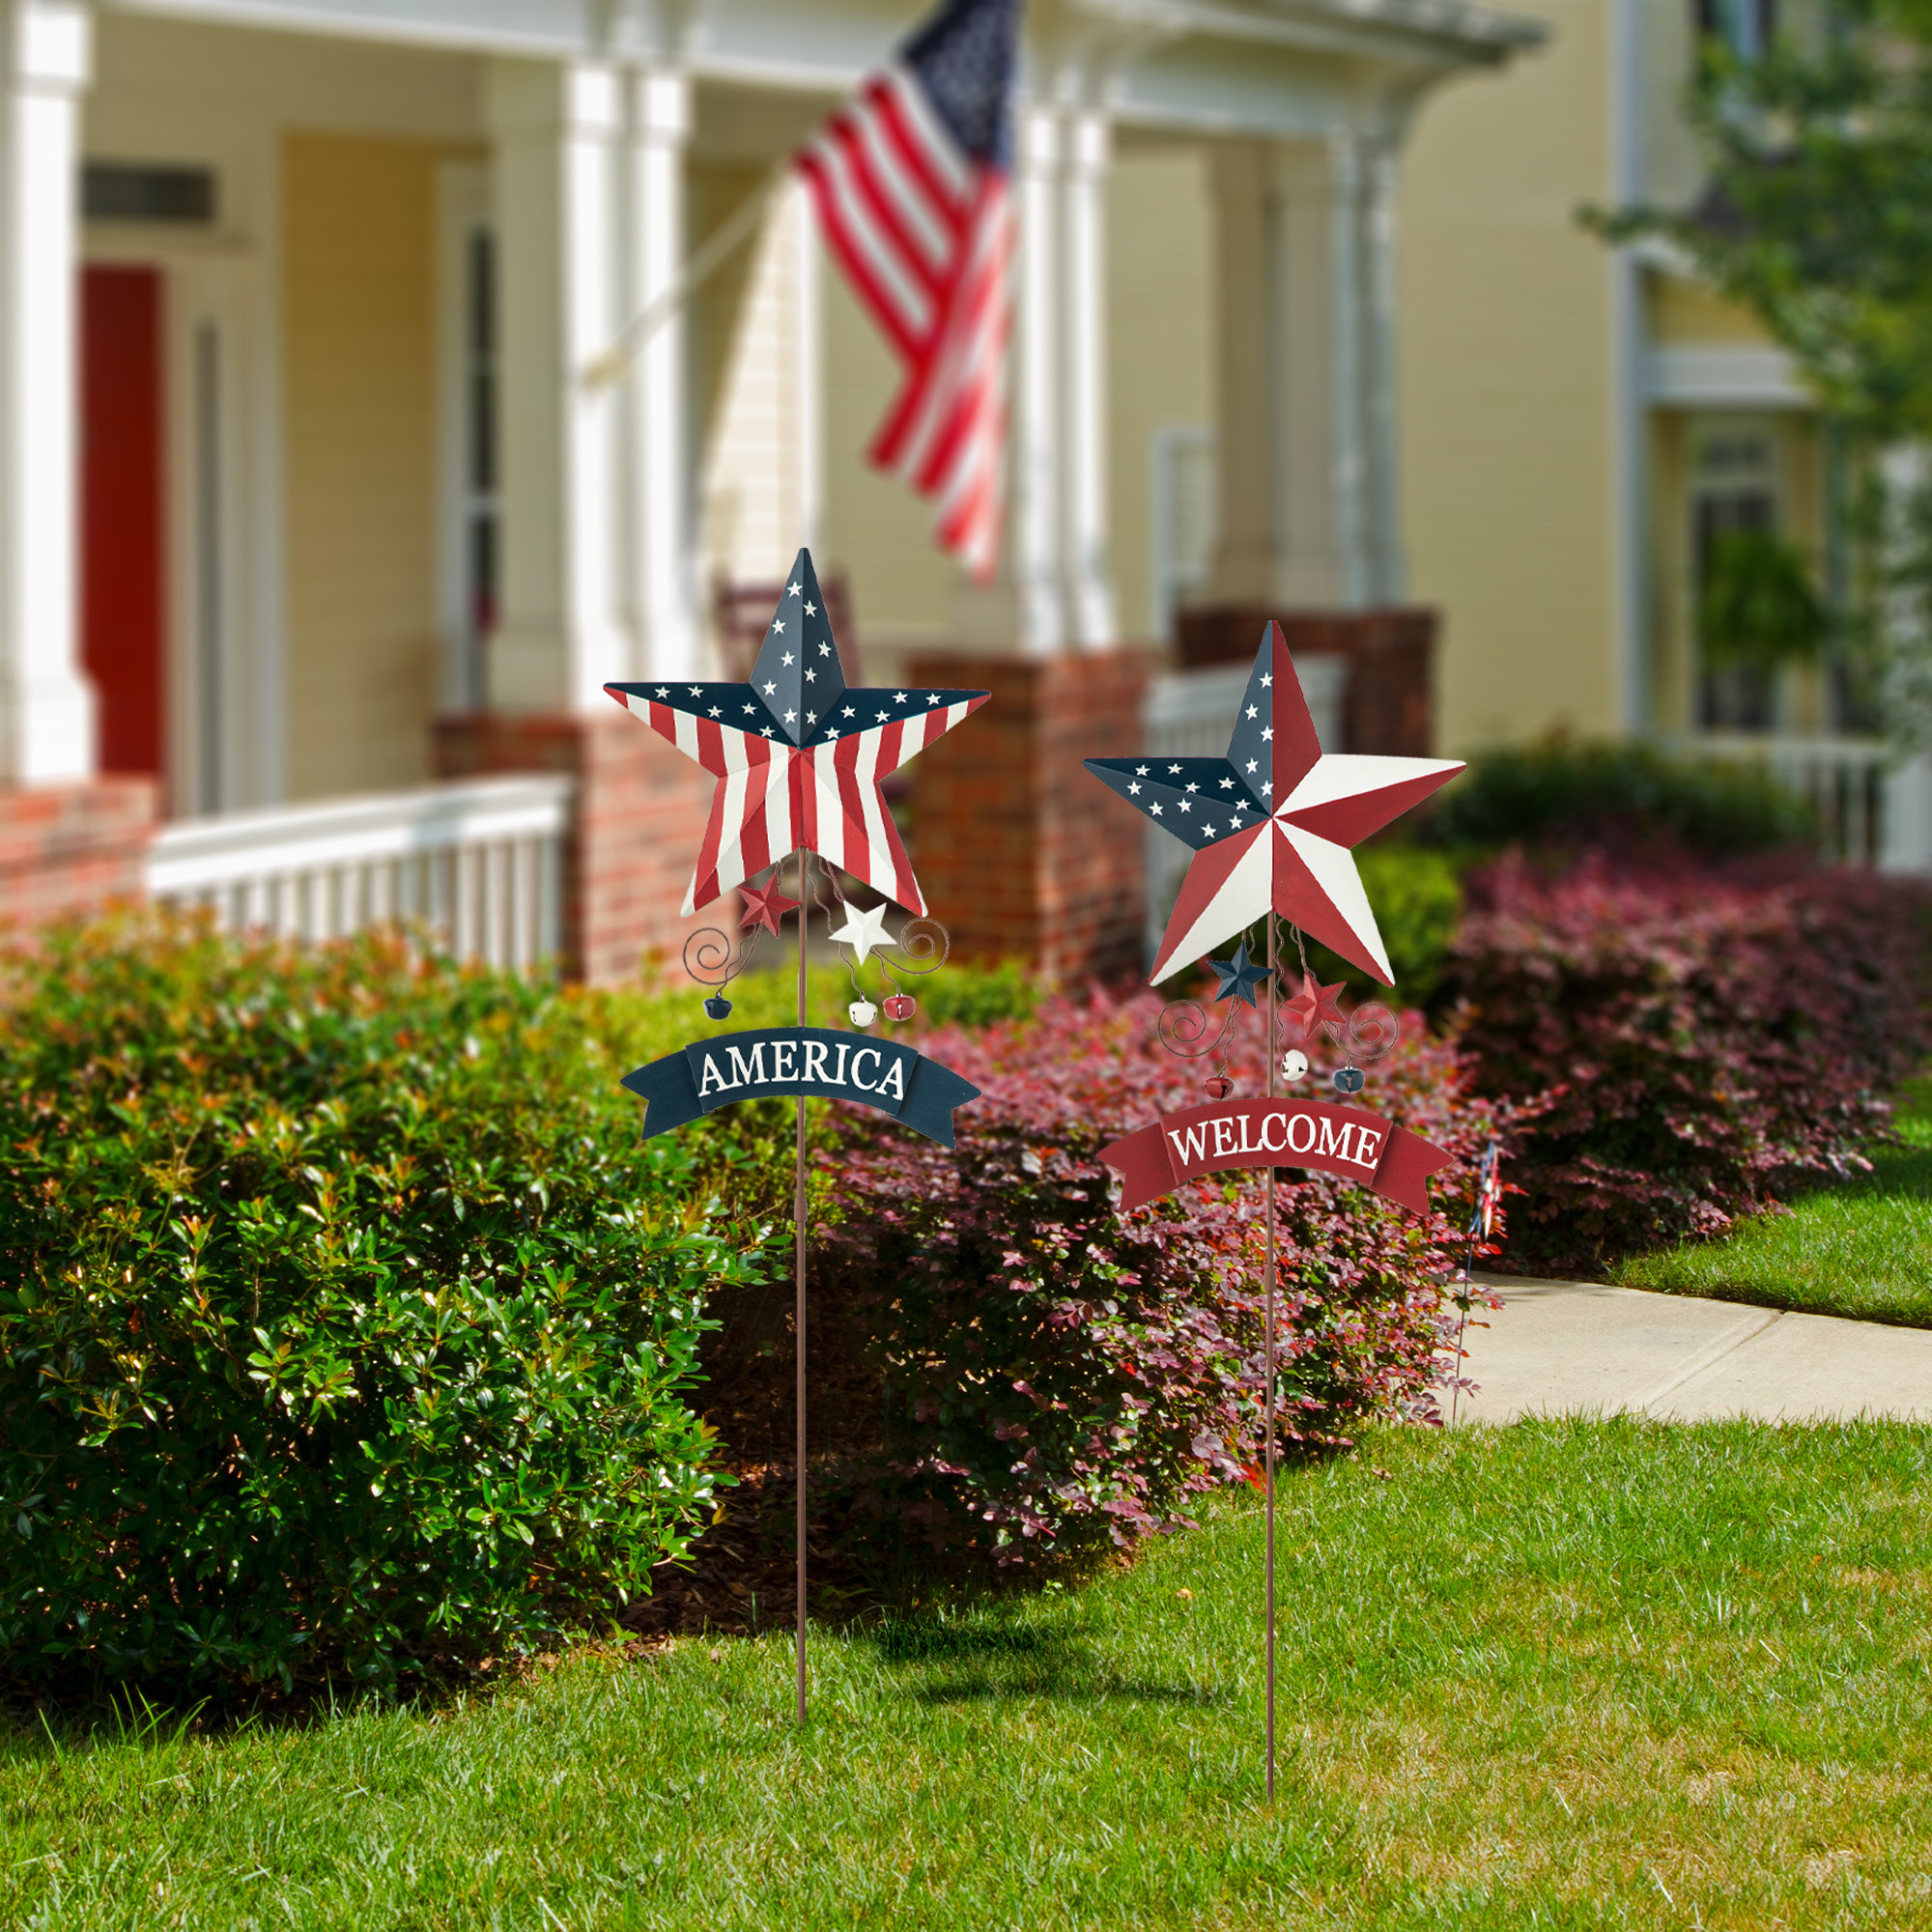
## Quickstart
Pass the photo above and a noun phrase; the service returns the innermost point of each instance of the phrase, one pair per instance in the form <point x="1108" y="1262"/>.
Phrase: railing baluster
<point x="476" y="861"/>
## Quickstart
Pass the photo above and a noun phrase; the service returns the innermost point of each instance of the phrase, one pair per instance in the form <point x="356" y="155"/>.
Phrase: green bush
<point x="1758" y="608"/>
<point x="1565" y="792"/>
<point x="345" y="1321"/>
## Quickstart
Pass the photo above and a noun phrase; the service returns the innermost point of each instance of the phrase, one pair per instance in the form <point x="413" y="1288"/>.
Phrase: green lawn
<point x="1862" y="1247"/>
<point x="1563" y="1674"/>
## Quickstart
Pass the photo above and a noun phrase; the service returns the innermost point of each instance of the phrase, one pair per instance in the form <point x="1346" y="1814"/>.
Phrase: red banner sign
<point x="1346" y="1140"/>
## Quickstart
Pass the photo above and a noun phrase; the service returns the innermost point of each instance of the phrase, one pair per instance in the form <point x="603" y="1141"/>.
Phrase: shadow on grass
<point x="983" y="1662"/>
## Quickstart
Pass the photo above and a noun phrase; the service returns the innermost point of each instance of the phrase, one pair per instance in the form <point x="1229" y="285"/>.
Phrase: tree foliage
<point x="1816" y="216"/>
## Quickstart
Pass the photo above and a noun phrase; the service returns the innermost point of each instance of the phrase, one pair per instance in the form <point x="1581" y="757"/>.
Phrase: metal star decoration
<point x="1273" y="822"/>
<point x="1239" y="976"/>
<point x="1315" y="1005"/>
<point x="862" y="930"/>
<point x="797" y="753"/>
<point x="764" y="905"/>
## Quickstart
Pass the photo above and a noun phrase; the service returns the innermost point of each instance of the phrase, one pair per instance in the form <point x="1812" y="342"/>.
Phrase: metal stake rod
<point x="798" y="1310"/>
<point x="1268" y="1279"/>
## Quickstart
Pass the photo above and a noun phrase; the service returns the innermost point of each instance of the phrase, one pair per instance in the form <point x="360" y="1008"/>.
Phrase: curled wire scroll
<point x="711" y="958"/>
<point x="1185" y="1027"/>
<point x="923" y="946"/>
<point x="1366" y="1033"/>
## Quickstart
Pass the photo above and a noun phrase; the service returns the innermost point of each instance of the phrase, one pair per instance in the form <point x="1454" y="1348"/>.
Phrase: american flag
<point x="798" y="754"/>
<point x="1489" y="1194"/>
<point x="911" y="183"/>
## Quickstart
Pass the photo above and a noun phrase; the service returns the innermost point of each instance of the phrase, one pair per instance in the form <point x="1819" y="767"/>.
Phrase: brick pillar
<point x="1022" y="853"/>
<point x="637" y="820"/>
<point x="72" y="848"/>
<point x="1389" y="704"/>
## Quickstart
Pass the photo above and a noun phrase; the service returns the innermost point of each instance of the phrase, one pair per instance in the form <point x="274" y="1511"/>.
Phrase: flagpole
<point x="1268" y="1279"/>
<point x="798" y="1308"/>
<point x="705" y="260"/>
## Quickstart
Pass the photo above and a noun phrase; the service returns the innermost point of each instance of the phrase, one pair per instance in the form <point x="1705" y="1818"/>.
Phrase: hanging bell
<point x="900" y="1006"/>
<point x="863" y="1012"/>
<point x="718" y="1008"/>
<point x="1349" y="1079"/>
<point x="1220" y="1086"/>
<point x="1293" y="1063"/>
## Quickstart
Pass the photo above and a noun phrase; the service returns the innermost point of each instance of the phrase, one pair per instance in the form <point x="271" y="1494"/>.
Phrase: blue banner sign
<point x="882" y="1073"/>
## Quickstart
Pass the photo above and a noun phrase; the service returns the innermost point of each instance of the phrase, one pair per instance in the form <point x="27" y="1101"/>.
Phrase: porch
<point x="354" y="519"/>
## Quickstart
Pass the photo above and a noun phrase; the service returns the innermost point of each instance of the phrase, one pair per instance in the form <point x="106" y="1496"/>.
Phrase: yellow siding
<point x="751" y="466"/>
<point x="874" y="526"/>
<point x="1506" y="376"/>
<point x="1686" y="313"/>
<point x="358" y="297"/>
<point x="1160" y="343"/>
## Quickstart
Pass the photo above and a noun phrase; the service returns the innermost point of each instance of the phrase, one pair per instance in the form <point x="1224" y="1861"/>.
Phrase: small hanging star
<point x="764" y="905"/>
<point x="1239" y="976"/>
<point x="1315" y="1005"/>
<point x="864" y="931"/>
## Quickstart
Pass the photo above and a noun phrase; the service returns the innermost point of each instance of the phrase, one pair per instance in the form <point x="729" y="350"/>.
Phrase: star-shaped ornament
<point x="790" y="772"/>
<point x="862" y="930"/>
<point x="1239" y="976"/>
<point x="764" y="905"/>
<point x="1291" y="816"/>
<point x="1315" y="1005"/>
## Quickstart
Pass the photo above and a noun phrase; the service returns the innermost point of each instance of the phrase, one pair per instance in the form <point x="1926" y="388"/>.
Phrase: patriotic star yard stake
<point x="798" y="755"/>
<point x="1272" y="823"/>
<point x="1272" y="826"/>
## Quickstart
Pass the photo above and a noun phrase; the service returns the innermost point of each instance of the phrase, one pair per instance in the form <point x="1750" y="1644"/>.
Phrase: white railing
<point x="478" y="863"/>
<point x="1190" y="714"/>
<point x="1875" y="808"/>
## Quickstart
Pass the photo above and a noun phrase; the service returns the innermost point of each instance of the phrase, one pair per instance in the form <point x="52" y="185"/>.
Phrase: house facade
<point x="1583" y="424"/>
<point x="323" y="522"/>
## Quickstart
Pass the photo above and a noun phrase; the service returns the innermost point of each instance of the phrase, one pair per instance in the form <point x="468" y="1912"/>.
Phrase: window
<point x="1185" y="519"/>
<point x="1746" y="28"/>
<point x="1733" y="487"/>
<point x="137" y="191"/>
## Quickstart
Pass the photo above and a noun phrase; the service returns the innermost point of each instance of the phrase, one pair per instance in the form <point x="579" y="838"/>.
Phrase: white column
<point x="1026" y="609"/>
<point x="660" y="565"/>
<point x="1091" y="618"/>
<point x="1386" y="561"/>
<point x="1307" y="435"/>
<point x="46" y="704"/>
<point x="556" y="130"/>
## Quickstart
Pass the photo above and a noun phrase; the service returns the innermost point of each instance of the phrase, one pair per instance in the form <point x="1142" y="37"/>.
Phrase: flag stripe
<point x="925" y="233"/>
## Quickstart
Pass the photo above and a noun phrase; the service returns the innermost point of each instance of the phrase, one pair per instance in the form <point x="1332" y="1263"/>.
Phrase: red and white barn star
<point x="798" y="754"/>
<point x="1272" y="823"/>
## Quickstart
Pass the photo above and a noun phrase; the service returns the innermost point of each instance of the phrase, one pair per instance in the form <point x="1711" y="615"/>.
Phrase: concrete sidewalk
<point x="1567" y="1347"/>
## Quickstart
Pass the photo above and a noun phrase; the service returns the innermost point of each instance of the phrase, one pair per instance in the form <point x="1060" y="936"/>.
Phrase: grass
<point x="1568" y="1674"/>
<point x="1862" y="1247"/>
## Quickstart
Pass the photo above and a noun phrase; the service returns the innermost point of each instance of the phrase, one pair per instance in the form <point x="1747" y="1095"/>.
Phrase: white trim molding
<point x="1746" y="376"/>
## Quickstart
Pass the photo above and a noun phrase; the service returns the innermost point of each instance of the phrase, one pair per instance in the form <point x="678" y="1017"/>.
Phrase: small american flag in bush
<point x="1489" y="1193"/>
<point x="912" y="183"/>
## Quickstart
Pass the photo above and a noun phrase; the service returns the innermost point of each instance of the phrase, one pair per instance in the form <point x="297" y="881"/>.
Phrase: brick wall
<point x="639" y="818"/>
<point x="1389" y="704"/>
<point x="1021" y="852"/>
<point x="72" y="848"/>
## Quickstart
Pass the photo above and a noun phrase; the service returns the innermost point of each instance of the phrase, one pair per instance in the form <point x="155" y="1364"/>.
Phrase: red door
<point x="122" y="583"/>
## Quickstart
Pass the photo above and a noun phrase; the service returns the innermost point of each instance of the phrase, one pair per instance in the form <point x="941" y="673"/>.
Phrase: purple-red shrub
<point x="1686" y="1038"/>
<point x="1043" y="1371"/>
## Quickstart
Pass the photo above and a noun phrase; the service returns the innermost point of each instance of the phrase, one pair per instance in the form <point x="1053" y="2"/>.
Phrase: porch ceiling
<point x="1268" y="67"/>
